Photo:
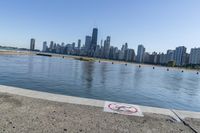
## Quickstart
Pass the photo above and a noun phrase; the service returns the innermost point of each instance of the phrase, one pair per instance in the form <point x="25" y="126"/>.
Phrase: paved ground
<point x="20" y="114"/>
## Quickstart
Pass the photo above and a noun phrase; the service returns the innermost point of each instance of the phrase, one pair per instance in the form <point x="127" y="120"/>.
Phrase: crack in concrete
<point x="185" y="123"/>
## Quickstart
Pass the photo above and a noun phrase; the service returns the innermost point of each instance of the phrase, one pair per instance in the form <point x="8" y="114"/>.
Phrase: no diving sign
<point x="122" y="108"/>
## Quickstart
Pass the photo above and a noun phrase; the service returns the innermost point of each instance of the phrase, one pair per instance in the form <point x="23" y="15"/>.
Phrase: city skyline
<point x="96" y="43"/>
<point x="172" y="57"/>
<point x="158" y="25"/>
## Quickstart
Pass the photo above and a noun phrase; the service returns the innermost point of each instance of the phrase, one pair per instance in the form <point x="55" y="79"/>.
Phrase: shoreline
<point x="24" y="110"/>
<point x="14" y="52"/>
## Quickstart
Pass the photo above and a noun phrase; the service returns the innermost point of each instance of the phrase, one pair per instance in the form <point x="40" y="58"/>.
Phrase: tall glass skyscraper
<point x="106" y="47"/>
<point x="32" y="44"/>
<point x="140" y="53"/>
<point x="88" y="40"/>
<point x="45" y="47"/>
<point x="94" y="39"/>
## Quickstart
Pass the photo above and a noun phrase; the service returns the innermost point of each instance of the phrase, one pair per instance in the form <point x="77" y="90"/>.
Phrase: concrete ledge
<point x="91" y="102"/>
<point x="51" y="96"/>
<point x="187" y="114"/>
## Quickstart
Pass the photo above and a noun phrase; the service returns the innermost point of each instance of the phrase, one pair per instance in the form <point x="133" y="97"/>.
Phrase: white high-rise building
<point x="180" y="55"/>
<point x="194" y="56"/>
<point x="163" y="58"/>
<point x="140" y="53"/>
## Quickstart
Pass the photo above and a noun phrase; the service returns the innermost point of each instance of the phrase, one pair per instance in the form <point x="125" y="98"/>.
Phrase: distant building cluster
<point x="176" y="57"/>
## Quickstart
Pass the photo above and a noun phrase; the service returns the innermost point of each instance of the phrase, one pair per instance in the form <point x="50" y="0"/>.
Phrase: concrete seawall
<point x="92" y="102"/>
<point x="23" y="110"/>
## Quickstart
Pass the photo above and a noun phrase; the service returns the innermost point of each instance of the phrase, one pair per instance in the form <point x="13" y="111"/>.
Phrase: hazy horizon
<point x="158" y="25"/>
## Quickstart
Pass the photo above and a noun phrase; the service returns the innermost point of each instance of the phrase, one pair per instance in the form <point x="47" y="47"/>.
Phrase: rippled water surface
<point x="115" y="82"/>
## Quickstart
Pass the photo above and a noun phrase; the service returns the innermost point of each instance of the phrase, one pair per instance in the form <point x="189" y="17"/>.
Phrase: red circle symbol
<point x="125" y="109"/>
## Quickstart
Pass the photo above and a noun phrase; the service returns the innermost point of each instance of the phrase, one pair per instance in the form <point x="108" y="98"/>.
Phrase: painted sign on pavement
<point x="122" y="108"/>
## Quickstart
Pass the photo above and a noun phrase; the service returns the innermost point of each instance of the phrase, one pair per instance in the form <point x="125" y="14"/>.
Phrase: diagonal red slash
<point x="122" y="109"/>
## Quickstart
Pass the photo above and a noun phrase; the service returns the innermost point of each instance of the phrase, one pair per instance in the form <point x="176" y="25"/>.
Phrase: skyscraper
<point x="146" y="57"/>
<point x="152" y="58"/>
<point x="79" y="44"/>
<point x="88" y="40"/>
<point x="73" y="45"/>
<point x="170" y="55"/>
<point x="32" y="44"/>
<point x="94" y="40"/>
<point x="130" y="55"/>
<point x="45" y="47"/>
<point x="180" y="55"/>
<point x="113" y="54"/>
<point x="140" y="53"/>
<point x="194" y="58"/>
<point x="163" y="58"/>
<point x="106" y="47"/>
<point x="101" y="42"/>
<point x="125" y="50"/>
<point x="126" y="46"/>
<point x="51" y="46"/>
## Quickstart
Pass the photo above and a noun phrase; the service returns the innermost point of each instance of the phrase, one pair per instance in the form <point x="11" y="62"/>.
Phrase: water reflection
<point x="103" y="69"/>
<point x="137" y="77"/>
<point x="116" y="82"/>
<point x="30" y="64"/>
<point x="88" y="69"/>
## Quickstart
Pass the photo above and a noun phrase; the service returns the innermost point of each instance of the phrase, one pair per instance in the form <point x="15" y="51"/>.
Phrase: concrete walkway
<point x="25" y="111"/>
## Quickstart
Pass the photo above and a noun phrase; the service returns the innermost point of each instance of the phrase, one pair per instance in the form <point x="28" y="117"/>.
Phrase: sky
<point x="157" y="24"/>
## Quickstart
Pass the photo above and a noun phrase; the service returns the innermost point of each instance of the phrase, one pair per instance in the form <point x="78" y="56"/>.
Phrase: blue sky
<point x="157" y="24"/>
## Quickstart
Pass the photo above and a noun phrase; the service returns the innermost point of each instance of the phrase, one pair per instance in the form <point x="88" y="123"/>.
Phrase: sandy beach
<point x="14" y="52"/>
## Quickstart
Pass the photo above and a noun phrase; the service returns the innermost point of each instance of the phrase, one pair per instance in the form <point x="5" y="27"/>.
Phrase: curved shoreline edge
<point x="18" y="52"/>
<point x="92" y="102"/>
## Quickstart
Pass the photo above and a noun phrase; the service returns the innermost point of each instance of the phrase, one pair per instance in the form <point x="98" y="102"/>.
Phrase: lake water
<point x="105" y="81"/>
